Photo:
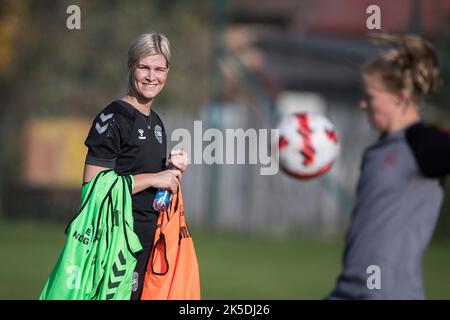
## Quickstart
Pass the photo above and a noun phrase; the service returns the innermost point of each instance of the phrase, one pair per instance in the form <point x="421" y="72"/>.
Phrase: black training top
<point x="124" y="139"/>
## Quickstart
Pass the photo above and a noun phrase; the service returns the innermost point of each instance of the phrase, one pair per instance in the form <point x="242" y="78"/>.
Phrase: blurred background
<point x="235" y="64"/>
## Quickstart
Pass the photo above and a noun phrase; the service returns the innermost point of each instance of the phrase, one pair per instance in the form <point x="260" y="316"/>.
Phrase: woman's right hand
<point x="167" y="179"/>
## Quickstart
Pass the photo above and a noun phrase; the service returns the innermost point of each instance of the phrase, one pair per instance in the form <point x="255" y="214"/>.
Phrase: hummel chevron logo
<point x="104" y="117"/>
<point x="100" y="129"/>
<point x="115" y="278"/>
<point x="112" y="285"/>
<point x="122" y="258"/>
<point x="118" y="272"/>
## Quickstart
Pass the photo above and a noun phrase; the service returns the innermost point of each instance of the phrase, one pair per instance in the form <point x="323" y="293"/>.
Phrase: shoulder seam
<point x="122" y="109"/>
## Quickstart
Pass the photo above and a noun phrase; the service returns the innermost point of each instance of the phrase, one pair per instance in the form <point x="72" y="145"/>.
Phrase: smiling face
<point x="149" y="76"/>
<point x="382" y="106"/>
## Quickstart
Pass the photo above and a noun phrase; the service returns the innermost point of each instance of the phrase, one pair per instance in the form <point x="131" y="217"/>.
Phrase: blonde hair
<point x="146" y="44"/>
<point x="412" y="64"/>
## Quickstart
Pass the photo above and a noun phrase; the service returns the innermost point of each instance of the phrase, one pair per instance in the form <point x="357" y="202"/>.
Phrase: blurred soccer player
<point x="400" y="189"/>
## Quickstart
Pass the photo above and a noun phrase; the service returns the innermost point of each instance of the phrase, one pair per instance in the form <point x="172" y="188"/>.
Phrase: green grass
<point x="232" y="266"/>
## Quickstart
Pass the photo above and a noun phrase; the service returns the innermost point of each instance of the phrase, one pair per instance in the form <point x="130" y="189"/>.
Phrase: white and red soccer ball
<point x="308" y="145"/>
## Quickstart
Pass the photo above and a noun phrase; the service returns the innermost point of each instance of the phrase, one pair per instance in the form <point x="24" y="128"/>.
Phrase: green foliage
<point x="76" y="72"/>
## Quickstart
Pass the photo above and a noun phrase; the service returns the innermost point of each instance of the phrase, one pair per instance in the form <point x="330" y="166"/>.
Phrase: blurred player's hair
<point x="411" y="63"/>
<point x="146" y="44"/>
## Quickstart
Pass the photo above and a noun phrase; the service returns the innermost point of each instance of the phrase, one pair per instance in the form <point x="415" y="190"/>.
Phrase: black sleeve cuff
<point x="106" y="163"/>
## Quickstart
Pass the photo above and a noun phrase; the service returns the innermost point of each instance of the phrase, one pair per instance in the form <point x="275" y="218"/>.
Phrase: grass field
<point x="231" y="266"/>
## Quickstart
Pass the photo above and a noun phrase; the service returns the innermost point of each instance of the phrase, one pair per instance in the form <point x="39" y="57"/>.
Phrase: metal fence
<point x="276" y="204"/>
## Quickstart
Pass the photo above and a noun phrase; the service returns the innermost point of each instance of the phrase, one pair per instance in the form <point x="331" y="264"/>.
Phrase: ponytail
<point x="411" y="64"/>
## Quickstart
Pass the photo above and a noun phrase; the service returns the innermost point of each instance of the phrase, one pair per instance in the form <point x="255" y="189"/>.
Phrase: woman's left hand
<point x="179" y="159"/>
